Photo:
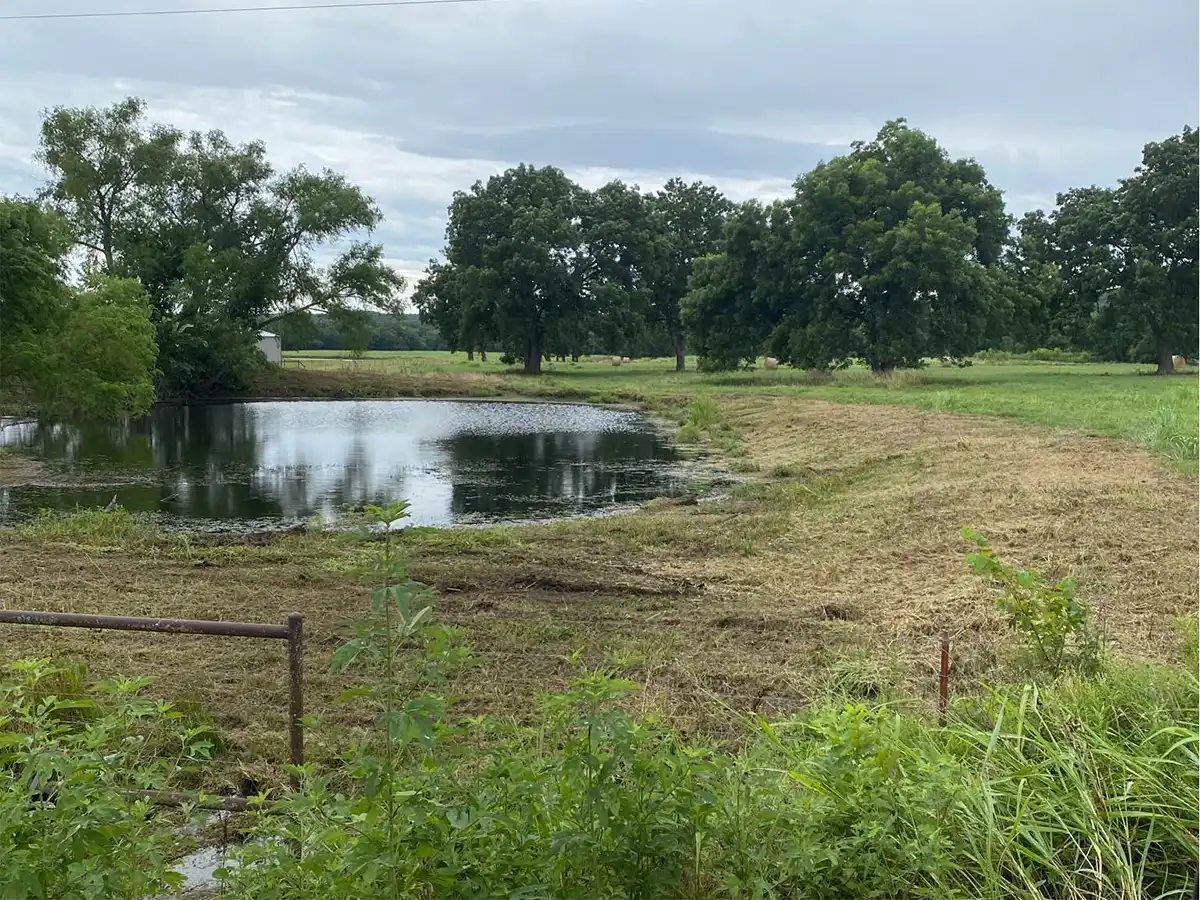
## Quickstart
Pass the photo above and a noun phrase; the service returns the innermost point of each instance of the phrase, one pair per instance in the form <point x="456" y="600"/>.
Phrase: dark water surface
<point x="456" y="462"/>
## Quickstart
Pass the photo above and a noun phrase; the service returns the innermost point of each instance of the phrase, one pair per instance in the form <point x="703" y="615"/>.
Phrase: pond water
<point x="456" y="462"/>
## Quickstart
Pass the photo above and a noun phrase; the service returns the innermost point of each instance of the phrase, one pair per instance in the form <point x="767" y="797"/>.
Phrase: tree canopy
<point x="882" y="255"/>
<point x="179" y="247"/>
<point x="222" y="243"/>
<point x="1125" y="260"/>
<point x="80" y="351"/>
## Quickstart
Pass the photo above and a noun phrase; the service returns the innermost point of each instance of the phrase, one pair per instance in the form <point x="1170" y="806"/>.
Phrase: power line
<point x="200" y="11"/>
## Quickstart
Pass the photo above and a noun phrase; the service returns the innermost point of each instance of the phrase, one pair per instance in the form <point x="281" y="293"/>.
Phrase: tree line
<point x="152" y="257"/>
<point x="374" y="331"/>
<point x="892" y="253"/>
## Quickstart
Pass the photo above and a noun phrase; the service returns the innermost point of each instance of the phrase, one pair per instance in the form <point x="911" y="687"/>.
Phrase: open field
<point x="836" y="564"/>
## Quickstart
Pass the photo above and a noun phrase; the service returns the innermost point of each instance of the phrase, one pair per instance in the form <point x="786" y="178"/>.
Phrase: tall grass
<point x="1171" y="432"/>
<point x="1085" y="789"/>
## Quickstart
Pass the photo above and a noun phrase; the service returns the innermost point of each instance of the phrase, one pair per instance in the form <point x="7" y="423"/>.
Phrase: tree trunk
<point x="1166" y="365"/>
<point x="483" y="356"/>
<point x="470" y="356"/>
<point x="533" y="359"/>
<point x="883" y="368"/>
<point x="574" y="357"/>
<point x="680" y="353"/>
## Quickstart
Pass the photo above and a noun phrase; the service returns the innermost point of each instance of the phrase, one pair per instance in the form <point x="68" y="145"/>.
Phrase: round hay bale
<point x="1178" y="362"/>
<point x="625" y="359"/>
<point x="616" y="360"/>
<point x="771" y="363"/>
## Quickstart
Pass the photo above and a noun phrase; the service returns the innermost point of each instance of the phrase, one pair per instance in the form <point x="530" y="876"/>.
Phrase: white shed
<point x="271" y="347"/>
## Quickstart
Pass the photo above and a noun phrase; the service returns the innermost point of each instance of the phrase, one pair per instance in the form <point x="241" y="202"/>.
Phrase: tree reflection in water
<point x="454" y="461"/>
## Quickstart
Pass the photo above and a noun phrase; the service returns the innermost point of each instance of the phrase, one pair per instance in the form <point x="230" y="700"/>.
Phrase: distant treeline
<point x="890" y="254"/>
<point x="374" y="331"/>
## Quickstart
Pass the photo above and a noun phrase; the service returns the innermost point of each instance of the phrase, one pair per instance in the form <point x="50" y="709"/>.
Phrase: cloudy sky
<point x="415" y="102"/>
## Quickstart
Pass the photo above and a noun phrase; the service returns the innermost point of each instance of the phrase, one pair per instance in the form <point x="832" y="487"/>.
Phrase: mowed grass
<point x="1108" y="399"/>
<point x="835" y="566"/>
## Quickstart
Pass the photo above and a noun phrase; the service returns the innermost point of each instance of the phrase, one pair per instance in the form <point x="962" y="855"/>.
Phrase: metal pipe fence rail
<point x="291" y="630"/>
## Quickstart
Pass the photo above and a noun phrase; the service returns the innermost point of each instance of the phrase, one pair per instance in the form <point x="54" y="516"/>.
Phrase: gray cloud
<point x="417" y="102"/>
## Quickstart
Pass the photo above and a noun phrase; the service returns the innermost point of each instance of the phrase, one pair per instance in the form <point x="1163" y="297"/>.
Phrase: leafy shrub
<point x="862" y="813"/>
<point x="1053" y="625"/>
<point x="69" y="825"/>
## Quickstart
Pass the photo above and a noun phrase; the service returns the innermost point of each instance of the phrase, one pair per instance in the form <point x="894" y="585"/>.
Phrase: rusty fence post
<point x="944" y="679"/>
<point x="295" y="642"/>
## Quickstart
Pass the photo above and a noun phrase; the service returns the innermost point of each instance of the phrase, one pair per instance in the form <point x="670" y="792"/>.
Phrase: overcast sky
<point x="416" y="102"/>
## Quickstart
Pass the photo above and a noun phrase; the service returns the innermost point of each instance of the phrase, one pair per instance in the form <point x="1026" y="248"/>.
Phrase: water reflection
<point x="454" y="461"/>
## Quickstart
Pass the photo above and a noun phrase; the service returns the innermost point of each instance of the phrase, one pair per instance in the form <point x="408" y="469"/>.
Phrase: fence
<point x="292" y="631"/>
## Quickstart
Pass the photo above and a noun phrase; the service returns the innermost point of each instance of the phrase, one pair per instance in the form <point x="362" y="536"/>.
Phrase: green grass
<point x="1108" y="399"/>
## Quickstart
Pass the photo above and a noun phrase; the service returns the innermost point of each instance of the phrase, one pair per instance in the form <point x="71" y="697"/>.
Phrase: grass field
<point x="837" y="562"/>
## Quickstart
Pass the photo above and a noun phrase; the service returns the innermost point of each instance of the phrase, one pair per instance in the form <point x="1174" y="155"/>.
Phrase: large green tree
<point x="513" y="258"/>
<point x="886" y="254"/>
<point x="690" y="221"/>
<point x="223" y="243"/>
<point x="729" y="305"/>
<point x="892" y="242"/>
<point x="1155" y="235"/>
<point x="1124" y="259"/>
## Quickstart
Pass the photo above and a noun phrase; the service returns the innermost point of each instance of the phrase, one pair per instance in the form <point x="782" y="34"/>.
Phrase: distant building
<point x="271" y="347"/>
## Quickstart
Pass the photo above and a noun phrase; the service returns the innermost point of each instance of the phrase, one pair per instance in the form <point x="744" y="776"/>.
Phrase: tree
<point x="223" y="244"/>
<point x="1125" y="258"/>
<point x="101" y="362"/>
<point x="77" y="352"/>
<point x="33" y="247"/>
<point x="892" y="244"/>
<point x="100" y="158"/>
<point x="623" y="251"/>
<point x="722" y="311"/>
<point x="1157" y="213"/>
<point x="690" y="219"/>
<point x="514" y="261"/>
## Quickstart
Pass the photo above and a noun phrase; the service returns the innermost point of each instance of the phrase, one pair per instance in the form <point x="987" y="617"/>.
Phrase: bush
<point x="69" y="826"/>
<point x="1053" y="625"/>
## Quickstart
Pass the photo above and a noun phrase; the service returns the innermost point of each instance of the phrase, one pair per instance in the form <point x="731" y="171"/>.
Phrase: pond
<point x="456" y="462"/>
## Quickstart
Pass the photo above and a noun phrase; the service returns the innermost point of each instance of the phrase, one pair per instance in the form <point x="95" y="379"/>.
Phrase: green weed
<point x="1053" y="624"/>
<point x="69" y="824"/>
<point x="94" y="527"/>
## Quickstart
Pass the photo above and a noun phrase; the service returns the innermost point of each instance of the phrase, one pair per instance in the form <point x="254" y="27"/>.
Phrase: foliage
<point x="222" y="243"/>
<point x="68" y="826"/>
<point x="689" y="220"/>
<point x="379" y="331"/>
<point x="1125" y="259"/>
<point x="540" y="267"/>
<point x="727" y="307"/>
<point x="101" y="362"/>
<point x="1053" y="625"/>
<point x="33" y="246"/>
<point x="885" y="254"/>
<point x="83" y="352"/>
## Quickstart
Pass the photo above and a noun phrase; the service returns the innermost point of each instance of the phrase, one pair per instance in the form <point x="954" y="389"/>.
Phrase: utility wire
<point x="294" y="7"/>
